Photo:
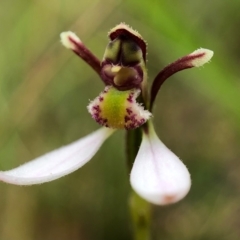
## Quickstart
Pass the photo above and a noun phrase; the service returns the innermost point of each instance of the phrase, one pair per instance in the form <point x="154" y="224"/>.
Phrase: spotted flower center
<point x="118" y="109"/>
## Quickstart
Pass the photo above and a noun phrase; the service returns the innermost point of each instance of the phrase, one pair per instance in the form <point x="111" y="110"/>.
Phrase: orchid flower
<point x="157" y="175"/>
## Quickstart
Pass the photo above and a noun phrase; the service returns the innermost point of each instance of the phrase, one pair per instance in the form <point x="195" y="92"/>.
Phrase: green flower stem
<point x="140" y="216"/>
<point x="139" y="208"/>
<point x="133" y="142"/>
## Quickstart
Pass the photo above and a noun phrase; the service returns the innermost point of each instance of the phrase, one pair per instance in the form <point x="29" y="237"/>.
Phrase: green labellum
<point x="118" y="109"/>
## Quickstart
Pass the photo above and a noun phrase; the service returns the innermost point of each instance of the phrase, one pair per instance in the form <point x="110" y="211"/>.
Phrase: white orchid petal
<point x="59" y="162"/>
<point x="158" y="175"/>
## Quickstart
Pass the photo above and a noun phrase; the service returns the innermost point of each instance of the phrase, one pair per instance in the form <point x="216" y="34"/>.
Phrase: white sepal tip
<point x="68" y="39"/>
<point x="205" y="56"/>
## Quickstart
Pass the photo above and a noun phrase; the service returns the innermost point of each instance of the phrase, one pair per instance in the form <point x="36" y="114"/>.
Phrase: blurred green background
<point x="44" y="91"/>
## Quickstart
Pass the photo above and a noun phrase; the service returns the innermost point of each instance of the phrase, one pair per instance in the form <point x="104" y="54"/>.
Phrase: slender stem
<point x="141" y="217"/>
<point x="140" y="209"/>
<point x="133" y="142"/>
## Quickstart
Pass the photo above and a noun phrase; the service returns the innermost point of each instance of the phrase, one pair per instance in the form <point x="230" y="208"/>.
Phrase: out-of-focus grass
<point x="44" y="90"/>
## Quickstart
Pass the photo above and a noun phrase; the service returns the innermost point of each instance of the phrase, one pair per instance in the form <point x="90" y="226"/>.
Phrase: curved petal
<point x="158" y="175"/>
<point x="57" y="163"/>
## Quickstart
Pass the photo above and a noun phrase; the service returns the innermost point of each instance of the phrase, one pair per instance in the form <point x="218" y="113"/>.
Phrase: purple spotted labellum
<point x="157" y="175"/>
